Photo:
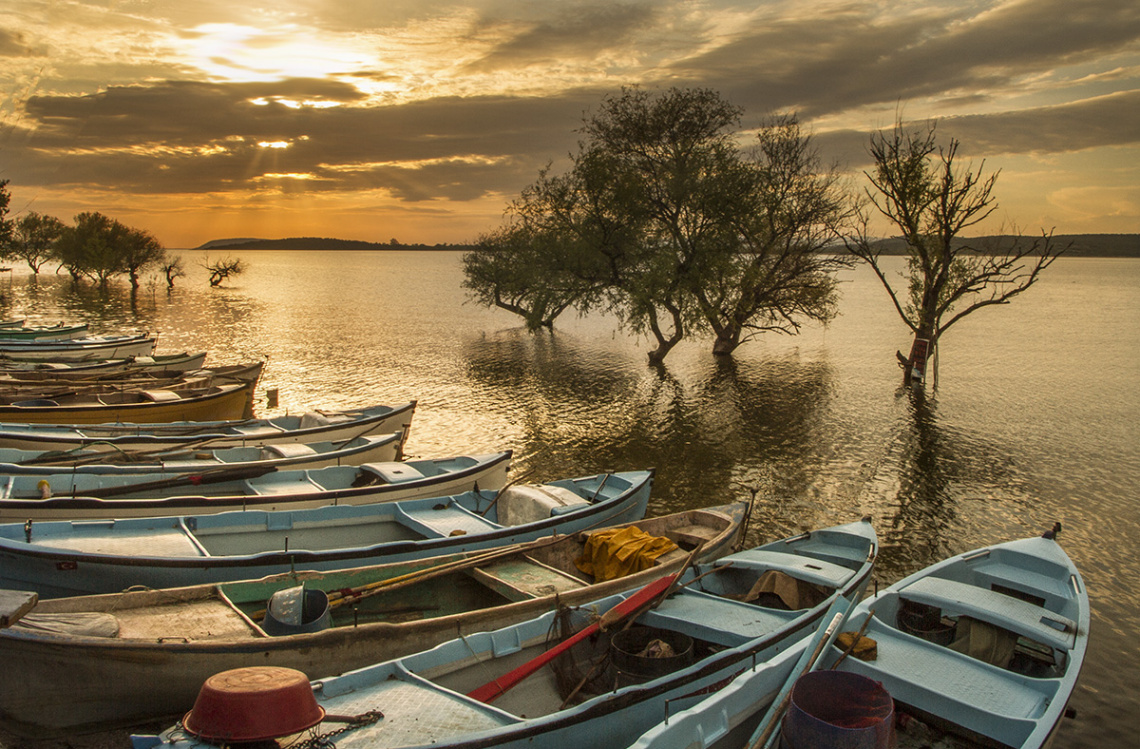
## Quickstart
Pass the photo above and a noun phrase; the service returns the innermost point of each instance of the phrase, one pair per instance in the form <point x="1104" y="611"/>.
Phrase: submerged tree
<point x="223" y="269"/>
<point x="173" y="268"/>
<point x="924" y="192"/>
<point x="140" y="250"/>
<point x="91" y="247"/>
<point x="664" y="220"/>
<point x="5" y="223"/>
<point x="33" y="239"/>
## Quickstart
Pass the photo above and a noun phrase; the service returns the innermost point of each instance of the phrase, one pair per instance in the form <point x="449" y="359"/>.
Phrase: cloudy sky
<point x="381" y="119"/>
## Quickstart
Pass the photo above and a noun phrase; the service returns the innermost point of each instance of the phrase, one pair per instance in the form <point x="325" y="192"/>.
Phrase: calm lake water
<point x="1034" y="421"/>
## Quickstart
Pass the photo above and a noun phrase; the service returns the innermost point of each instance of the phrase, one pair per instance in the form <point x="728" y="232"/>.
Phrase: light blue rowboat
<point x="65" y="558"/>
<point x="143" y="654"/>
<point x="91" y="496"/>
<point x="1027" y="592"/>
<point x="310" y="426"/>
<point x="425" y="697"/>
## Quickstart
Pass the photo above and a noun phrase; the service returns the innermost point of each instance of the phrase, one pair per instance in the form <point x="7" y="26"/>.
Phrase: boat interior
<point x="444" y="586"/>
<point x="997" y="632"/>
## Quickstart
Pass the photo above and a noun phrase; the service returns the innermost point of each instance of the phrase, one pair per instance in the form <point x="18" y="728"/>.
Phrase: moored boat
<point x="224" y="401"/>
<point x="81" y="349"/>
<point x="982" y="649"/>
<point x="59" y="332"/>
<point x="161" y="644"/>
<point x="65" y="558"/>
<point x="89" y="496"/>
<point x="156" y="362"/>
<point x="366" y="449"/>
<point x="18" y="388"/>
<point x="604" y="687"/>
<point x="310" y="426"/>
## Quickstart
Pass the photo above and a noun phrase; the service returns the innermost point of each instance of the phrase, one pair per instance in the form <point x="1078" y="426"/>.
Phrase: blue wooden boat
<point x="310" y="426"/>
<point x="603" y="691"/>
<point x="143" y="654"/>
<point x="65" y="558"/>
<point x="58" y="332"/>
<point x="91" y="496"/>
<point x="1030" y="598"/>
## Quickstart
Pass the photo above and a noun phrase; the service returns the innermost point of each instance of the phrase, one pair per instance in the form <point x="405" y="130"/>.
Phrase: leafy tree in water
<point x="666" y="221"/>
<point x="924" y="192"/>
<point x="91" y="247"/>
<point x="141" y="250"/>
<point x="101" y="247"/>
<point x="33" y="239"/>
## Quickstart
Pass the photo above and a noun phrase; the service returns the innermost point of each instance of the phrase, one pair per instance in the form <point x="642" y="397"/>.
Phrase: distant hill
<point x="1079" y="245"/>
<point x="318" y="243"/>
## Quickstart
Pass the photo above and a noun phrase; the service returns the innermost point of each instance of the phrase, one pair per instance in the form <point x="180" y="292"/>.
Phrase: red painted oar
<point x="492" y="689"/>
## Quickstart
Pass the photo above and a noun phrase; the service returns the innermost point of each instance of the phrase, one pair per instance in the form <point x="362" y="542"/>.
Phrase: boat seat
<point x="445" y="520"/>
<point x="718" y="620"/>
<point x="161" y="396"/>
<point x="978" y="695"/>
<point x="393" y="473"/>
<point x="522" y="579"/>
<point x="803" y="568"/>
<point x="692" y="536"/>
<point x="290" y="450"/>
<point x="1014" y="614"/>
<point x="14" y="604"/>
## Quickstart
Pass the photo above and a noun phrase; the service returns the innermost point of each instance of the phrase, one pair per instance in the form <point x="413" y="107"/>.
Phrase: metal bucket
<point x="636" y="662"/>
<point x="839" y="710"/>
<point x="296" y="610"/>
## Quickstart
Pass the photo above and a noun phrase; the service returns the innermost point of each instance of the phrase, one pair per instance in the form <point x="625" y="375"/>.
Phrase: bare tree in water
<point x="927" y="195"/>
<point x="223" y="269"/>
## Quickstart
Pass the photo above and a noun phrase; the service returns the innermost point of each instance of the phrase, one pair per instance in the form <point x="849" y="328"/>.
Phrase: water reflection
<point x="714" y="435"/>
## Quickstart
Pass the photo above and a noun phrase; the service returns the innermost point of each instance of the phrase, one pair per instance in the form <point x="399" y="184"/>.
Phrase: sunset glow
<point x="422" y="122"/>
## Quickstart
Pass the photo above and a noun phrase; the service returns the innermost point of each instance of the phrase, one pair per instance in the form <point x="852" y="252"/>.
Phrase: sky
<point x="420" y="121"/>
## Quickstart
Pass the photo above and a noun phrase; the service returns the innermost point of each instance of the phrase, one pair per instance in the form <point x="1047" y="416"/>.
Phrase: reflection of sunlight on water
<point x="1024" y="430"/>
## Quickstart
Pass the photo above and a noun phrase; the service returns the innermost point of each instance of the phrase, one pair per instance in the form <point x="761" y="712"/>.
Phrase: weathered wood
<point x="14" y="604"/>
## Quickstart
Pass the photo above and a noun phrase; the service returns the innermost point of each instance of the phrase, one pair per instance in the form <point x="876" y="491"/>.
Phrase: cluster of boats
<point x="295" y="580"/>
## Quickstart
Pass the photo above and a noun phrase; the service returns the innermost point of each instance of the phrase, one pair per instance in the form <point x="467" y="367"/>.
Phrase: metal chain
<point x="323" y="741"/>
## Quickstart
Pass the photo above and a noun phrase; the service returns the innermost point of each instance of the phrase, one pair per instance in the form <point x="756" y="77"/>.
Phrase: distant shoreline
<point x="1079" y="245"/>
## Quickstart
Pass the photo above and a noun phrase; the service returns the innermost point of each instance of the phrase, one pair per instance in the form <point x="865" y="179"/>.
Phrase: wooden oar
<point x="492" y="689"/>
<point x="837" y="614"/>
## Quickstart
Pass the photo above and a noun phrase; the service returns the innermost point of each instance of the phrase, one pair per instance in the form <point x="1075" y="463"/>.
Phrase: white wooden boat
<point x="161" y="644"/>
<point x="1026" y="596"/>
<point x="157" y="362"/>
<point x="41" y="385"/>
<point x="602" y="690"/>
<point x="90" y="496"/>
<point x="81" y="349"/>
<point x="65" y="558"/>
<point x="367" y="449"/>
<point x="310" y="426"/>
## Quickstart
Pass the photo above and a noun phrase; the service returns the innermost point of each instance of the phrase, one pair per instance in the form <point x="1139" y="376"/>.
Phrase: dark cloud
<point x="195" y="137"/>
<point x="832" y="63"/>
<point x="1064" y="128"/>
<point x="15" y="44"/>
<point x="580" y="32"/>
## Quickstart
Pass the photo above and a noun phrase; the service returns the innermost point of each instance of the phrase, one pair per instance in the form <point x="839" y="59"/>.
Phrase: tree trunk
<point x="727" y="340"/>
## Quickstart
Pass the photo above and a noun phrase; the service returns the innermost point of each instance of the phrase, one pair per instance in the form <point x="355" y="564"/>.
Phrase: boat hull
<point x="112" y="681"/>
<point x="221" y="402"/>
<point x="295" y="491"/>
<point x="241" y="433"/>
<point x="60" y="571"/>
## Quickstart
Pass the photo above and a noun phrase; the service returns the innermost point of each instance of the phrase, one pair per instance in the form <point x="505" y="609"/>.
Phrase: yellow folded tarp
<point x="618" y="552"/>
